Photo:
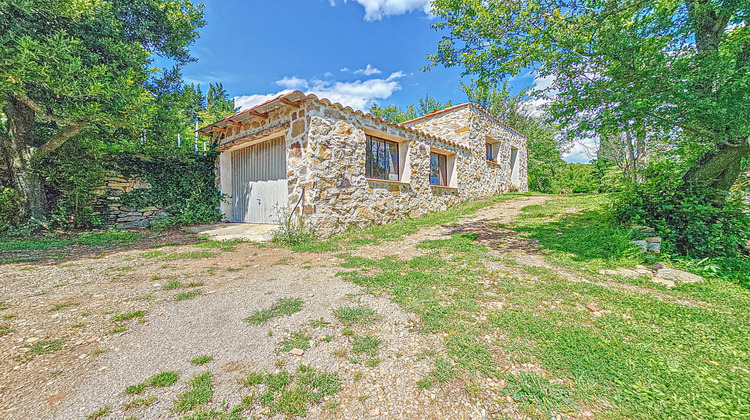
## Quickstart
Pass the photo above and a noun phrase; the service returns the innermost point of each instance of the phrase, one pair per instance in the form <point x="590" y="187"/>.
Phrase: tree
<point x="393" y="113"/>
<point x="668" y="64"/>
<point x="69" y="65"/>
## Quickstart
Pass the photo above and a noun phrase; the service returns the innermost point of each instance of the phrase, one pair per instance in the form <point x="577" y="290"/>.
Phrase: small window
<point x="382" y="159"/>
<point x="492" y="149"/>
<point x="438" y="169"/>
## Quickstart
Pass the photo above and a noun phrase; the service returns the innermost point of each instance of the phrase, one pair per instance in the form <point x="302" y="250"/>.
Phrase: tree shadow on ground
<point x="585" y="237"/>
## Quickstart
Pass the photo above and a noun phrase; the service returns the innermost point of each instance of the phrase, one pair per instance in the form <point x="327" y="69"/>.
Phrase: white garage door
<point x="259" y="182"/>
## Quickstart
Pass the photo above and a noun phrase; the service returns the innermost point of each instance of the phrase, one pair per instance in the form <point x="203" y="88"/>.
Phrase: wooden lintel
<point x="234" y="123"/>
<point x="290" y="103"/>
<point x="258" y="114"/>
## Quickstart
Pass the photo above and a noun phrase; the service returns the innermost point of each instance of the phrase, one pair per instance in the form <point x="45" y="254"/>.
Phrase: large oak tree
<point x="69" y="65"/>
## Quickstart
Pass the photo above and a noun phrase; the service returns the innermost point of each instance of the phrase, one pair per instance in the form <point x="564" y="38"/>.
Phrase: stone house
<point x="341" y="168"/>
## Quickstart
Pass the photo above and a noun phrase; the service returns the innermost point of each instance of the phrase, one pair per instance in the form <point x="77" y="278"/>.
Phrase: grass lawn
<point x="644" y="352"/>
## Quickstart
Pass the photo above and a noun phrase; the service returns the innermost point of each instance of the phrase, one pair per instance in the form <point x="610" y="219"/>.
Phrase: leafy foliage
<point x="690" y="220"/>
<point x="184" y="186"/>
<point x="393" y="113"/>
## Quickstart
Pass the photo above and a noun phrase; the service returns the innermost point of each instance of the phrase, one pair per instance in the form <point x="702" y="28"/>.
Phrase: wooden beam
<point x="258" y="114"/>
<point x="219" y="129"/>
<point x="200" y="133"/>
<point x="290" y="103"/>
<point x="234" y="123"/>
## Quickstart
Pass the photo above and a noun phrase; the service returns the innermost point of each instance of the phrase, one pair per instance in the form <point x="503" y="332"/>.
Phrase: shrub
<point x="694" y="223"/>
<point x="12" y="209"/>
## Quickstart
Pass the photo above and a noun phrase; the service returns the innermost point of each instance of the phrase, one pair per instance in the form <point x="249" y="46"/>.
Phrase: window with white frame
<point x="439" y="169"/>
<point x="382" y="159"/>
<point x="492" y="149"/>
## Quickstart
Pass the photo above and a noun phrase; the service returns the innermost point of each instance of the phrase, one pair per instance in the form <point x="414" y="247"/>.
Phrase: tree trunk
<point x="21" y="120"/>
<point x="719" y="170"/>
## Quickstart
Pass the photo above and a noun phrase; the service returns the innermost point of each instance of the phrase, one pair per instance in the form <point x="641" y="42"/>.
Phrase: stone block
<point x="298" y="127"/>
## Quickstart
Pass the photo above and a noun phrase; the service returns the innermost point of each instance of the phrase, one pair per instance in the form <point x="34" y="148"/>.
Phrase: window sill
<point x="444" y="187"/>
<point x="387" y="181"/>
<point x="493" y="163"/>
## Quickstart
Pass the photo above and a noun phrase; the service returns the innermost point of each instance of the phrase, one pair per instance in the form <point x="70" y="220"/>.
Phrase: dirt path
<point x="73" y="304"/>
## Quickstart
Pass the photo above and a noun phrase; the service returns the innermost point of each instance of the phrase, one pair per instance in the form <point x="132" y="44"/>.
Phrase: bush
<point x="693" y="223"/>
<point x="72" y="176"/>
<point x="12" y="209"/>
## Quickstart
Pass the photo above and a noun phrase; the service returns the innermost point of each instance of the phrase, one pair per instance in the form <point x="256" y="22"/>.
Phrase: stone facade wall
<point x="117" y="215"/>
<point x="326" y="162"/>
<point x="470" y="126"/>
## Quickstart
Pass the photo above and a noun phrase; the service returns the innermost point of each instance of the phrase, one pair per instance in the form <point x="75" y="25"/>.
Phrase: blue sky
<point x="351" y="51"/>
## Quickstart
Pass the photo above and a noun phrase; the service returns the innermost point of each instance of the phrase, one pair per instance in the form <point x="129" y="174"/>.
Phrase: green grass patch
<point x="163" y="379"/>
<point x="361" y="315"/>
<point x="135" y="389"/>
<point x="319" y="323"/>
<point x="366" y="344"/>
<point x="187" y="295"/>
<point x="139" y="402"/>
<point x="98" y="414"/>
<point x="296" y="340"/>
<point x="5" y="330"/>
<point x="172" y="285"/>
<point x="282" y="307"/>
<point x="118" y="329"/>
<point x="154" y="253"/>
<point x="51" y="242"/>
<point x="119" y="317"/>
<point x="202" y="360"/>
<point x="200" y="393"/>
<point x="538" y="395"/>
<point x="291" y="394"/>
<point x="45" y="347"/>
<point x="580" y="230"/>
<point x="188" y="255"/>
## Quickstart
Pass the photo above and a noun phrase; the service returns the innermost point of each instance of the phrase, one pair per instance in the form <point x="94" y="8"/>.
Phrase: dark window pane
<point x="438" y="169"/>
<point x="381" y="161"/>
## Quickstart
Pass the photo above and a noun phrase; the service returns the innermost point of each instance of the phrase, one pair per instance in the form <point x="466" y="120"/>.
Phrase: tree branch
<point x="60" y="137"/>
<point x="47" y="116"/>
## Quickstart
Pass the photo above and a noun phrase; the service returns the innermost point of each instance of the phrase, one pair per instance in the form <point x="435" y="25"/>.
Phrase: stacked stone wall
<point x="114" y="213"/>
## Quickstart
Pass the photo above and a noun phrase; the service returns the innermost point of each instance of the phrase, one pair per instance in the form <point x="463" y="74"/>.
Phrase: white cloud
<point x="345" y="69"/>
<point x="378" y="9"/>
<point x="368" y="71"/>
<point x="249" y="101"/>
<point x="396" y="75"/>
<point x="359" y="94"/>
<point x="545" y="94"/>
<point x="582" y="151"/>
<point x="292" y="83"/>
<point x="328" y="74"/>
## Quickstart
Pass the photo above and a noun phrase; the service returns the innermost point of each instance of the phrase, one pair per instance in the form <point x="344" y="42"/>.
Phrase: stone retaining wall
<point x="117" y="215"/>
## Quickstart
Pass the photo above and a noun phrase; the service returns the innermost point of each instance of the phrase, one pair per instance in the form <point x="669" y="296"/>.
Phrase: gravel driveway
<point x="76" y="305"/>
